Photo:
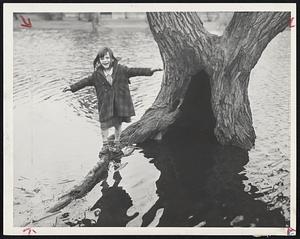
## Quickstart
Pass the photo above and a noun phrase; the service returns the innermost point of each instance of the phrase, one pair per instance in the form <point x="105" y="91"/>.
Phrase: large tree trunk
<point x="217" y="68"/>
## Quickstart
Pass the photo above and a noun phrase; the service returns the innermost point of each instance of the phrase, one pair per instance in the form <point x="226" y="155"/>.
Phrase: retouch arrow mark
<point x="26" y="22"/>
<point x="291" y="21"/>
<point x="29" y="230"/>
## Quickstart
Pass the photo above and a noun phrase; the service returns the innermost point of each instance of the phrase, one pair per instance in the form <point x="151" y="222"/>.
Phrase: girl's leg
<point x="118" y="132"/>
<point x="116" y="148"/>
<point x="105" y="147"/>
<point x="104" y="133"/>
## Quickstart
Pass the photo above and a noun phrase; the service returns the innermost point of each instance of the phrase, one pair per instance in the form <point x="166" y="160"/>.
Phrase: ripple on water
<point x="269" y="93"/>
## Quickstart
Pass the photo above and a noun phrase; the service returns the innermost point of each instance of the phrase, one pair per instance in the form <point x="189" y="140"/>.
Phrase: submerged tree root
<point x="93" y="177"/>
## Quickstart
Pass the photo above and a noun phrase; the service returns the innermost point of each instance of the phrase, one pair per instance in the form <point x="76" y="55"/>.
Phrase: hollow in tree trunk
<point x="205" y="82"/>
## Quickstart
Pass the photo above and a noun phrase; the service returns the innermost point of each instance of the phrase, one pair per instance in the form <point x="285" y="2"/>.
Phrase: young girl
<point x="115" y="106"/>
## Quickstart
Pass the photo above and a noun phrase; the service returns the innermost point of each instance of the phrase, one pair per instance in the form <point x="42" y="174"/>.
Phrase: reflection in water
<point x="201" y="184"/>
<point x="114" y="203"/>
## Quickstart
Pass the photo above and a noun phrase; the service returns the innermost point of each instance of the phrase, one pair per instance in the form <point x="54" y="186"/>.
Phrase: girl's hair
<point x="102" y="52"/>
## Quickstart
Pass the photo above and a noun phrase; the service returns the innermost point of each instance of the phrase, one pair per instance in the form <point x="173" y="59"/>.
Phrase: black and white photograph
<point x="149" y="119"/>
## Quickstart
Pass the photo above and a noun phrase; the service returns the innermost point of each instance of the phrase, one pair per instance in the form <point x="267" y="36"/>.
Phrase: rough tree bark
<point x="187" y="49"/>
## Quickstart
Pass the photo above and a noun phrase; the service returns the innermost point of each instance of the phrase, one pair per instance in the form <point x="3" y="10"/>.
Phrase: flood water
<point x="175" y="183"/>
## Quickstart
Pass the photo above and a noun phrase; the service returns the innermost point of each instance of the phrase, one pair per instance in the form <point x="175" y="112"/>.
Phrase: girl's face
<point x="106" y="61"/>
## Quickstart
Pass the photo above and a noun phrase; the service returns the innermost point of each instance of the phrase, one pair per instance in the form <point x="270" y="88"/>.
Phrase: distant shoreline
<point x="121" y="24"/>
<point x="83" y="25"/>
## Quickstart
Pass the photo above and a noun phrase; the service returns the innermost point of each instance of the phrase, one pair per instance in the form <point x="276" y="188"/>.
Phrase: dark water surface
<point x="190" y="181"/>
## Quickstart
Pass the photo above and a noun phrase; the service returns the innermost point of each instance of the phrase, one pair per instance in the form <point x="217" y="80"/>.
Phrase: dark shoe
<point x="119" y="166"/>
<point x="104" y="150"/>
<point x="115" y="148"/>
<point x="117" y="155"/>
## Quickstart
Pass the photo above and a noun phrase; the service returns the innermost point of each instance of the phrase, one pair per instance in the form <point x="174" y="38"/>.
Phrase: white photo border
<point x="10" y="8"/>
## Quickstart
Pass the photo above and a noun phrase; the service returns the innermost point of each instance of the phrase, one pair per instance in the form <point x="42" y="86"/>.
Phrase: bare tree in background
<point x="95" y="21"/>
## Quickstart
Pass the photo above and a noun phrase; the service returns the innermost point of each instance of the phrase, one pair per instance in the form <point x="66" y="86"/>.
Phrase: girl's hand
<point x="156" y="69"/>
<point x="67" y="89"/>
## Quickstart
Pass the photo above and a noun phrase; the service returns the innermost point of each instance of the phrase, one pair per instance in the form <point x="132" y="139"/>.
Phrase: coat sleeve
<point x="88" y="81"/>
<point x="134" y="71"/>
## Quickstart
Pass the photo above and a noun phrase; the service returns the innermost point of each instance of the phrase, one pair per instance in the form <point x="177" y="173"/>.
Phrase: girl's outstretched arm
<point x="156" y="69"/>
<point x="136" y="71"/>
<point x="88" y="81"/>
